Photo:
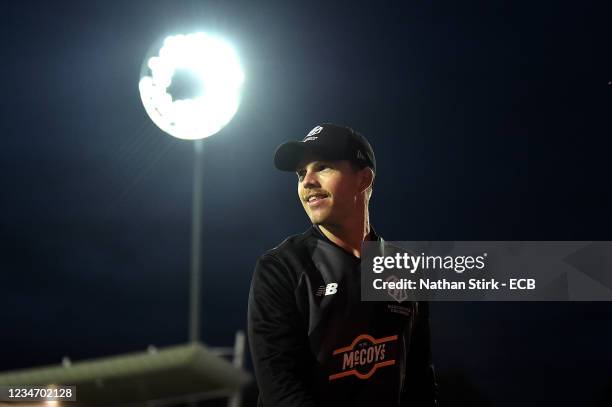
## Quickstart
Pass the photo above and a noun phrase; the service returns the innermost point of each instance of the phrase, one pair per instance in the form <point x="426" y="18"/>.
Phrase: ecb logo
<point x="313" y="132"/>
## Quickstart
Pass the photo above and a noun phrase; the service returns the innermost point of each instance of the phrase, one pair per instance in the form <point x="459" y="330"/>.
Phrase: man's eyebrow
<point x="314" y="163"/>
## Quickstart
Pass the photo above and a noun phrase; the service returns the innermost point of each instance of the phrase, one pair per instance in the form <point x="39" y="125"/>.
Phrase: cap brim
<point x="288" y="155"/>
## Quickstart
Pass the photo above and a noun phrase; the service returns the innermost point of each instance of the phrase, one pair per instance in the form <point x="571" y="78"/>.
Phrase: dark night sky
<point x="490" y="122"/>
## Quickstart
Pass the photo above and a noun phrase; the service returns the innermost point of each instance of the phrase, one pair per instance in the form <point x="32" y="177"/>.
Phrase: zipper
<point x="406" y="347"/>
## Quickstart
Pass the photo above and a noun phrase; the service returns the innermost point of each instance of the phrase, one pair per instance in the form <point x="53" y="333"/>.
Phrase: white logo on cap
<point x="314" y="131"/>
<point x="360" y="155"/>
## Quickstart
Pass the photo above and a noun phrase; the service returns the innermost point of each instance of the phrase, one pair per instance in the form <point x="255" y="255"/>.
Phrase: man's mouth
<point x="315" y="199"/>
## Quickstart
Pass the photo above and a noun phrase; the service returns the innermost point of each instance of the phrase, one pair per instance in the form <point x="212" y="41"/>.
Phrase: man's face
<point x="328" y="190"/>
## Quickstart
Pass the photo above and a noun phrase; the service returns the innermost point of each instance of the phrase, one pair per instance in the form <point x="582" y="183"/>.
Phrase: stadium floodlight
<point x="190" y="87"/>
<point x="216" y="76"/>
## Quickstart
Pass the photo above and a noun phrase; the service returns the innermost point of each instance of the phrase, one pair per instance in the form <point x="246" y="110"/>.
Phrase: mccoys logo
<point x="364" y="356"/>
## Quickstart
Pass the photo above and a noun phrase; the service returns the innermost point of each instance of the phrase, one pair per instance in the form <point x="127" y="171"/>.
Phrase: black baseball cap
<point x="327" y="141"/>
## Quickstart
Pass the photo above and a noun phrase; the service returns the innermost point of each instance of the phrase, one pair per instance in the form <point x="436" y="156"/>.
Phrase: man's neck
<point x="348" y="237"/>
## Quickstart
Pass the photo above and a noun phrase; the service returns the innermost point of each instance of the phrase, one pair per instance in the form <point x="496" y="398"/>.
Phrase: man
<point x="312" y="339"/>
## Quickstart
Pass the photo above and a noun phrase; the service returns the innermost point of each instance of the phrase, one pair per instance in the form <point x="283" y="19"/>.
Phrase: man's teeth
<point x="312" y="198"/>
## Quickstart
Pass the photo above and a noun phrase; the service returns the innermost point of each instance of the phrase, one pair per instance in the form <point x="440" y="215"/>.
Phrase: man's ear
<point x="367" y="178"/>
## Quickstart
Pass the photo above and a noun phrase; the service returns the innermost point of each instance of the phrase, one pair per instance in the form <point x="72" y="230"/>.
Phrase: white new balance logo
<point x="329" y="289"/>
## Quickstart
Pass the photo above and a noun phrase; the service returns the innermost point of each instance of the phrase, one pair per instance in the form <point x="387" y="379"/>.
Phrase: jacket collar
<point x="373" y="236"/>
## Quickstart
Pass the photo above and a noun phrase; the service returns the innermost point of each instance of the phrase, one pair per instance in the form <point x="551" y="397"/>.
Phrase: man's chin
<point x="317" y="218"/>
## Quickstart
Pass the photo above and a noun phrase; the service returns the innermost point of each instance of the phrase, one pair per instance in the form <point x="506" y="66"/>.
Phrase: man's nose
<point x="310" y="180"/>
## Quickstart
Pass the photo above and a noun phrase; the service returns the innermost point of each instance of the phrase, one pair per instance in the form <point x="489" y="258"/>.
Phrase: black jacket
<point x="315" y="343"/>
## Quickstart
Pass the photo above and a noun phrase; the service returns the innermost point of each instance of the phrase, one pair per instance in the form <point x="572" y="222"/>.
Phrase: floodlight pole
<point x="196" y="246"/>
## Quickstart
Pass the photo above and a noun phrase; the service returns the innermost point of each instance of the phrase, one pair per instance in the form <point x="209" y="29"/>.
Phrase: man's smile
<point x="315" y="199"/>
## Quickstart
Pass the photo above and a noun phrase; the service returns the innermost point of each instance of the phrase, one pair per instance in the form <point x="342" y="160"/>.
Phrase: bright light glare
<point x="216" y="65"/>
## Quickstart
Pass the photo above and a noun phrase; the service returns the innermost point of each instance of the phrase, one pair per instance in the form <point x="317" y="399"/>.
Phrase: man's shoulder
<point x="287" y="260"/>
<point x="292" y="247"/>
